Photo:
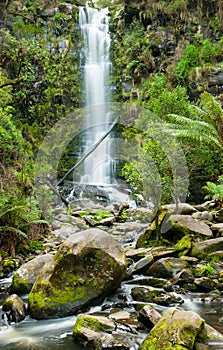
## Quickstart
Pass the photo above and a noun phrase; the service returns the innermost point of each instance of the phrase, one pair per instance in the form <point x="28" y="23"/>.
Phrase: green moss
<point x="151" y="344"/>
<point x="93" y="323"/>
<point x="184" y="245"/>
<point x="172" y="331"/>
<point x="20" y="285"/>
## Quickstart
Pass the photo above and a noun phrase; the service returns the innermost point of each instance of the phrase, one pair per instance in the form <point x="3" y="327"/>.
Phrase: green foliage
<point x="215" y="191"/>
<point x="150" y="173"/>
<point x="203" y="124"/>
<point x="133" y="56"/>
<point x="16" y="215"/>
<point x="12" y="144"/>
<point x="208" y="270"/>
<point x="161" y="100"/>
<point x="188" y="60"/>
<point x="176" y="6"/>
<point x="35" y="245"/>
<point x="101" y="214"/>
<point x="204" y="53"/>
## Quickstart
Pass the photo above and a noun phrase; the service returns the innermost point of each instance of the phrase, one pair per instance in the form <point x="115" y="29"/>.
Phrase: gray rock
<point x="25" y="276"/>
<point x="64" y="232"/>
<point x="166" y="267"/>
<point x="14" y="308"/>
<point x="127" y="232"/>
<point x="179" y="225"/>
<point x="140" y="265"/>
<point x="203" y="215"/>
<point x="183" y="208"/>
<point x="157" y="252"/>
<point x="184" y="276"/>
<point x="200" y="249"/>
<point x="217" y="228"/>
<point x="149" y="316"/>
<point x="100" y="332"/>
<point x="148" y="294"/>
<point x="206" y="283"/>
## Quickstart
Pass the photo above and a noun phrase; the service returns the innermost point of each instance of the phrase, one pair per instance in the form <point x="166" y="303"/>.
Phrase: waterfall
<point x="94" y="25"/>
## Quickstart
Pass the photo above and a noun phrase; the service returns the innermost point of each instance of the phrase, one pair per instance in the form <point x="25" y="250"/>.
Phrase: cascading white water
<point x="94" y="26"/>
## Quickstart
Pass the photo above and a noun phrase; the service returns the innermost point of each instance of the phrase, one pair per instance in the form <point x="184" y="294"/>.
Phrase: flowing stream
<point x="56" y="334"/>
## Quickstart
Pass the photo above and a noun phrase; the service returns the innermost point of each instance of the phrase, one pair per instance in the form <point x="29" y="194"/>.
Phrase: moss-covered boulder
<point x="14" y="308"/>
<point x="201" y="249"/>
<point x="90" y="329"/>
<point x="177" y="329"/>
<point x="117" y="330"/>
<point x="88" y="266"/>
<point x="176" y="226"/>
<point x="166" y="267"/>
<point x="25" y="276"/>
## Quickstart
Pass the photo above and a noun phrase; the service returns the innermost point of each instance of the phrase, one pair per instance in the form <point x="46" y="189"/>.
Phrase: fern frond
<point x="14" y="230"/>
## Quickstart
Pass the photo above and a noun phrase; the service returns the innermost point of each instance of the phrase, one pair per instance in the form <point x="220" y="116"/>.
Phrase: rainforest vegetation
<point x="167" y="58"/>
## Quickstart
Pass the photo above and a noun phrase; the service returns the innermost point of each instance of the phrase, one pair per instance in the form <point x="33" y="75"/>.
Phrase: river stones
<point x="88" y="266"/>
<point x="149" y="316"/>
<point x="118" y="330"/>
<point x="26" y="275"/>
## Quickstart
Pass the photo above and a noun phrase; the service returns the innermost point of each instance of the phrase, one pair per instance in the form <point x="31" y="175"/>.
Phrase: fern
<point x="214" y="191"/>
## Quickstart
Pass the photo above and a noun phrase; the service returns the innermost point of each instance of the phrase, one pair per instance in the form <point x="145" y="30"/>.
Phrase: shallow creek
<point x="57" y="333"/>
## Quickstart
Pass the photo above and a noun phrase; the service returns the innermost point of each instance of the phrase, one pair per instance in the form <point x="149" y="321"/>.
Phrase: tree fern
<point x="204" y="123"/>
<point x="214" y="191"/>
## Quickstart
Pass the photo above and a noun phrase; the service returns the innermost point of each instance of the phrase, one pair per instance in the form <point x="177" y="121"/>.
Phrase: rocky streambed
<point x="124" y="278"/>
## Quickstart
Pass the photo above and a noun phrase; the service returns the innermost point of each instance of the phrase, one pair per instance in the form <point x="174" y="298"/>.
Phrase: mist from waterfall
<point x="94" y="25"/>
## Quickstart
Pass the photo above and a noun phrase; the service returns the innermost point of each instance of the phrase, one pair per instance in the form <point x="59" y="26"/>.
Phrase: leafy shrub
<point x="215" y="191"/>
<point x="188" y="61"/>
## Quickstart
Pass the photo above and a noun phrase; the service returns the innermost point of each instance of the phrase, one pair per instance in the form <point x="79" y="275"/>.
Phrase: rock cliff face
<point x="172" y="25"/>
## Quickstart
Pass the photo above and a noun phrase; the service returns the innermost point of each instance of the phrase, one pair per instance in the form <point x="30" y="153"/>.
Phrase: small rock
<point x="148" y="294"/>
<point x="14" y="308"/>
<point x="149" y="316"/>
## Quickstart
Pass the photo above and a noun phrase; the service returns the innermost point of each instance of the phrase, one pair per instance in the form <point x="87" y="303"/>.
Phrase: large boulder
<point x="176" y="226"/>
<point x="88" y="266"/>
<point x="25" y="276"/>
<point x="177" y="329"/>
<point x="201" y="249"/>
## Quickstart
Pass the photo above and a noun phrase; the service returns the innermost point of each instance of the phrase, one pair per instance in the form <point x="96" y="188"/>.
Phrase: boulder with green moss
<point x="14" y="308"/>
<point x="117" y="330"/>
<point x="88" y="266"/>
<point x="203" y="248"/>
<point x="177" y="329"/>
<point x="176" y="226"/>
<point x="91" y="329"/>
<point x="166" y="267"/>
<point x="25" y="276"/>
